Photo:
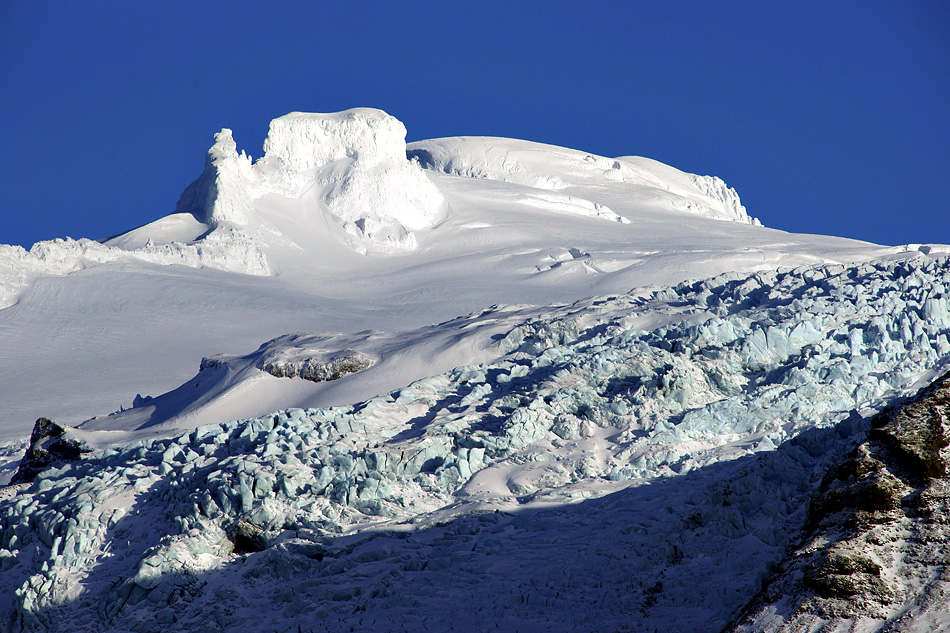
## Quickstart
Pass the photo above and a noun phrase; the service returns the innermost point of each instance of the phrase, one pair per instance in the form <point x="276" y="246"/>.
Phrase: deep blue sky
<point x="827" y="117"/>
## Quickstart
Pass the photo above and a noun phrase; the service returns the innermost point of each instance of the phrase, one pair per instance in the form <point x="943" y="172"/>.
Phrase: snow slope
<point x="597" y="476"/>
<point x="580" y="393"/>
<point x="89" y="326"/>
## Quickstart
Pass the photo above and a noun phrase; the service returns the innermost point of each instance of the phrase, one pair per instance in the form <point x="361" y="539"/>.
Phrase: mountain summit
<point x="351" y="166"/>
<point x="360" y="384"/>
<point x="351" y="174"/>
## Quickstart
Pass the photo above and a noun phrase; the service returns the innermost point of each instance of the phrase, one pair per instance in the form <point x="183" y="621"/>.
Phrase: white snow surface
<point x="351" y="166"/>
<point x="600" y="391"/>
<point x="87" y="326"/>
<point x="556" y="169"/>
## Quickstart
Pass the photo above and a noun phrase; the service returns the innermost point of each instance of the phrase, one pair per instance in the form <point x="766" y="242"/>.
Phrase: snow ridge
<point x="230" y="249"/>
<point x="550" y="168"/>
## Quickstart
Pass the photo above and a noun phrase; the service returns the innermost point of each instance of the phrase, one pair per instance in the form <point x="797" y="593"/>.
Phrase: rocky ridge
<point x="873" y="557"/>
<point x="51" y="446"/>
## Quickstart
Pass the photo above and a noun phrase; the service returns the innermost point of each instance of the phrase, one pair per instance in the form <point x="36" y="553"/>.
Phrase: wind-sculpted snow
<point x="350" y="166"/>
<point x="302" y="141"/>
<point x="222" y="193"/>
<point x="597" y="477"/>
<point x="230" y="250"/>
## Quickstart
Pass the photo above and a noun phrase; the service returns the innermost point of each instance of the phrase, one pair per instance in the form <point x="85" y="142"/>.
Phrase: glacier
<point x="351" y="230"/>
<point x="504" y="386"/>
<point x="699" y="440"/>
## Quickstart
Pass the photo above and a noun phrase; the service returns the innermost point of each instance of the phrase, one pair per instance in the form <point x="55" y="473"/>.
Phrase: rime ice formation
<point x="222" y="193"/>
<point x="302" y="141"/>
<point x="357" y="162"/>
<point x="351" y="164"/>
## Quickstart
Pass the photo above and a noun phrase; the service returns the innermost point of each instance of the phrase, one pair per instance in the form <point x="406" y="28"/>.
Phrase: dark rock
<point x="860" y="484"/>
<point x="916" y="431"/>
<point x="319" y="369"/>
<point x="839" y="573"/>
<point x="50" y="447"/>
<point x="888" y="502"/>
<point x="247" y="538"/>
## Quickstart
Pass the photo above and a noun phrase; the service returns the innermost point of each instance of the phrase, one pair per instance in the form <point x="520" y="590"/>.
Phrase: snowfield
<point x="469" y="383"/>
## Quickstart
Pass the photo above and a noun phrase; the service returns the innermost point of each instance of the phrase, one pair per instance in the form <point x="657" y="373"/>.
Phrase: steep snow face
<point x="558" y="169"/>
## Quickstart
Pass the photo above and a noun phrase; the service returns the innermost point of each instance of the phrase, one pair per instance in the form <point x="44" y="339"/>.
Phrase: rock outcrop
<point x="873" y="556"/>
<point x="331" y="367"/>
<point x="50" y="446"/>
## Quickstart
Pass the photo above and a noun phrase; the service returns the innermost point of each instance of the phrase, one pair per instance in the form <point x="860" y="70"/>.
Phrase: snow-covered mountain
<point x="264" y="249"/>
<point x="399" y="381"/>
